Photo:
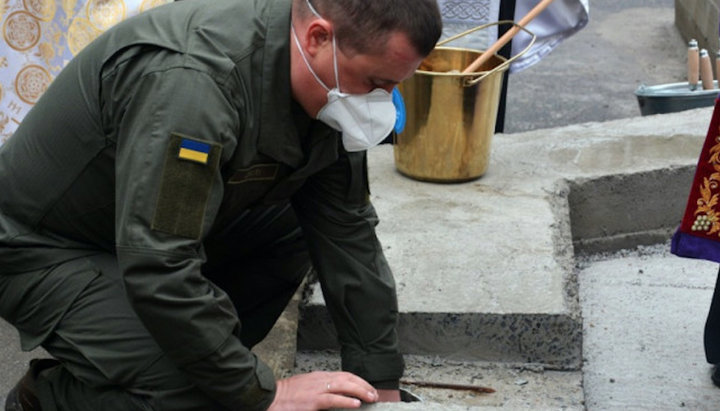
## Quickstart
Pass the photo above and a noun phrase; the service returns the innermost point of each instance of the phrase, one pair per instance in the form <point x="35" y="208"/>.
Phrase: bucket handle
<point x="469" y="81"/>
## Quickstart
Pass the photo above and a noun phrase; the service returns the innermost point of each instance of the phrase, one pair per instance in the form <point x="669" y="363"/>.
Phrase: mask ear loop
<point x="307" y="63"/>
<point x="335" y="65"/>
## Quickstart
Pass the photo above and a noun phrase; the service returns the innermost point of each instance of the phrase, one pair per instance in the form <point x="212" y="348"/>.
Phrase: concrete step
<point x="516" y="386"/>
<point x="485" y="269"/>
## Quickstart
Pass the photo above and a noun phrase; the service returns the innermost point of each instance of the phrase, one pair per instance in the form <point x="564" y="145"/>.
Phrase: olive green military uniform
<point x="151" y="210"/>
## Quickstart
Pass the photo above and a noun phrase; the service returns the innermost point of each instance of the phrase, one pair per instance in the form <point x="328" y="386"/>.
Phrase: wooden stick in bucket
<point x="506" y="37"/>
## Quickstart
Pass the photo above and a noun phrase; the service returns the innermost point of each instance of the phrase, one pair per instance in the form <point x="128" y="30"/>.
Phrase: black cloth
<point x="507" y="12"/>
<point x="712" y="327"/>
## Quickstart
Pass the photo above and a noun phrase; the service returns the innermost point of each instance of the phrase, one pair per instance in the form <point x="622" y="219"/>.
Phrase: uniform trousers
<point x="78" y="312"/>
<point x="712" y="327"/>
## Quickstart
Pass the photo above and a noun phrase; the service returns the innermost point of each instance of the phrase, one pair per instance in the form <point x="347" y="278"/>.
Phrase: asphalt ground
<point x="592" y="75"/>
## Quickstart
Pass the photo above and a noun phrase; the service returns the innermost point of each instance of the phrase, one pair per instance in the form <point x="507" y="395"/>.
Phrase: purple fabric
<point x="690" y="246"/>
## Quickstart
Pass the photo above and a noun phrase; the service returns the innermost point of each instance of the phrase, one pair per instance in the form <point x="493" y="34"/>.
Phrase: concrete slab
<point x="644" y="314"/>
<point x="485" y="269"/>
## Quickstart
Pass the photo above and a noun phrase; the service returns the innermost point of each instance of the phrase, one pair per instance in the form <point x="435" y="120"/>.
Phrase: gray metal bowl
<point x="673" y="97"/>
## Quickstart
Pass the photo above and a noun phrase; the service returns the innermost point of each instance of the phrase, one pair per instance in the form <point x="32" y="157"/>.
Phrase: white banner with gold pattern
<point x="39" y="37"/>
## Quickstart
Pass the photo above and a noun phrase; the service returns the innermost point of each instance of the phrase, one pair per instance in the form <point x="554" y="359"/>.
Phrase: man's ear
<point x="318" y="36"/>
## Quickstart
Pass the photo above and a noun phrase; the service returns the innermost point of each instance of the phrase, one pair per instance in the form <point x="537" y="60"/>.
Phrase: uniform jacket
<point x="152" y="138"/>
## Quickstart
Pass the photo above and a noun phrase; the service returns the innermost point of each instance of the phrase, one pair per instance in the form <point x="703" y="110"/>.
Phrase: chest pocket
<point x="246" y="187"/>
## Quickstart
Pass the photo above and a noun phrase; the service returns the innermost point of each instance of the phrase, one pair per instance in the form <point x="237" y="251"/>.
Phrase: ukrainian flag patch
<point x="193" y="150"/>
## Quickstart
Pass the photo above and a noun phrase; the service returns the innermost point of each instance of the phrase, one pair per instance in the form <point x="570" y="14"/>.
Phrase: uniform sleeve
<point x="339" y="222"/>
<point x="173" y="134"/>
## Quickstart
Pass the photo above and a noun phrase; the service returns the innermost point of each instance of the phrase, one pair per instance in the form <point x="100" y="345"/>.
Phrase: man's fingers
<point x="338" y="401"/>
<point x="322" y="390"/>
<point x="349" y="388"/>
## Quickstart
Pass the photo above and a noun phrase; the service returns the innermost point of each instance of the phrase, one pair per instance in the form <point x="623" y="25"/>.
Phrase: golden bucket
<point x="450" y="116"/>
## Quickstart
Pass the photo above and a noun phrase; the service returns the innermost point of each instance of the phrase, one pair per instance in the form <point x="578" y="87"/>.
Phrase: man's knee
<point x="78" y="311"/>
<point x="57" y="389"/>
<point x="34" y="302"/>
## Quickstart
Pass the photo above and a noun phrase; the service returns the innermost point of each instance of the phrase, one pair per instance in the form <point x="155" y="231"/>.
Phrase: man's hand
<point x="321" y="390"/>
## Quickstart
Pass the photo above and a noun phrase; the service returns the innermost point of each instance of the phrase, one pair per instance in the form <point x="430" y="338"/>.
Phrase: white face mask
<point x="364" y="119"/>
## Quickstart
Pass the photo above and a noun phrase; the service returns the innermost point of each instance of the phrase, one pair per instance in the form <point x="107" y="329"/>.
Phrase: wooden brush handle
<point x="506" y="37"/>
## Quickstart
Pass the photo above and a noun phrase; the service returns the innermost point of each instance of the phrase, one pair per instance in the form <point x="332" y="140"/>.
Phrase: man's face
<point x="357" y="73"/>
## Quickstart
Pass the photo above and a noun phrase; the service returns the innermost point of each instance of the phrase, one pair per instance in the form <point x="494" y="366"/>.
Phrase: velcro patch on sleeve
<point x="188" y="175"/>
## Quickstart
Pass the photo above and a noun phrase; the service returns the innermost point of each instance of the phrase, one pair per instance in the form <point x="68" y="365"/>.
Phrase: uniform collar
<point x="278" y="135"/>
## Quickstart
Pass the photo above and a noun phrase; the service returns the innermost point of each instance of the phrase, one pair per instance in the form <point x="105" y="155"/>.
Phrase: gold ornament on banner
<point x="42" y="9"/>
<point x="104" y="14"/>
<point x="31" y="82"/>
<point x="21" y="30"/>
<point x="80" y="33"/>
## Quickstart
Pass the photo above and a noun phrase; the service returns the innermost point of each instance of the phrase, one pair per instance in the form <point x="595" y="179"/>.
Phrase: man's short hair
<point x="363" y="25"/>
